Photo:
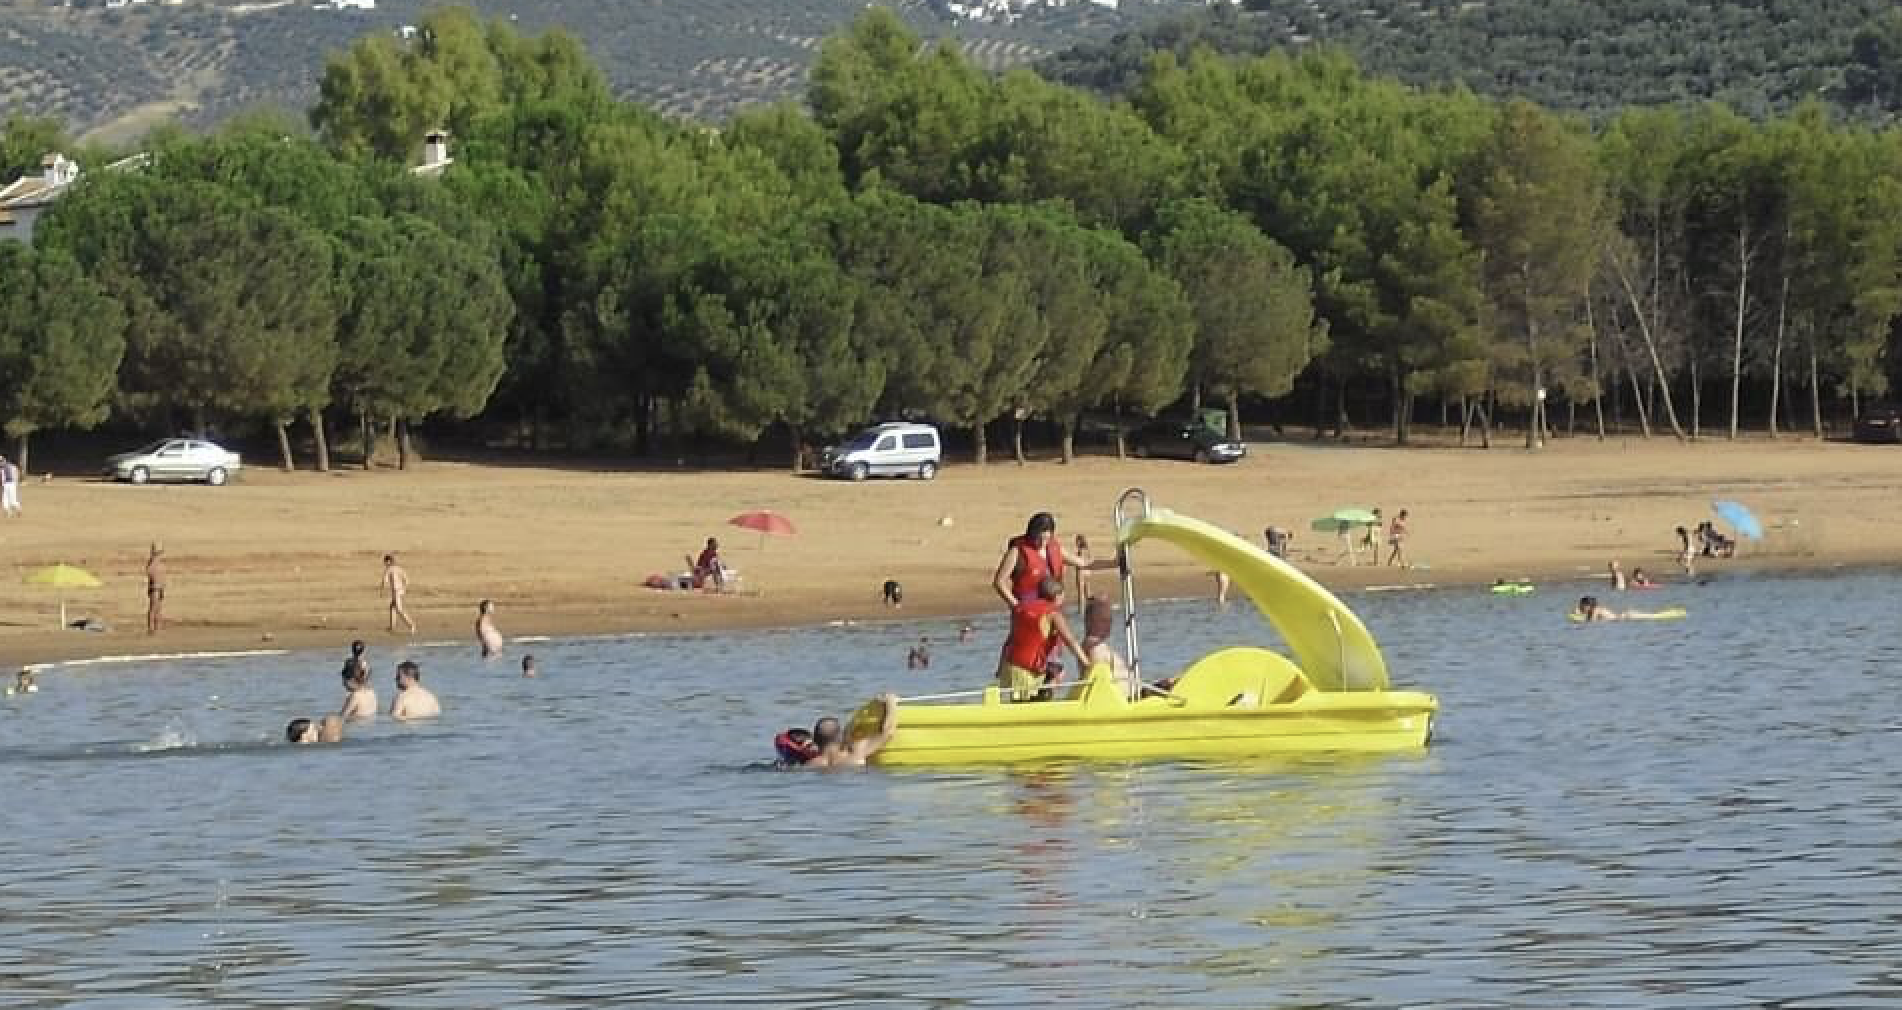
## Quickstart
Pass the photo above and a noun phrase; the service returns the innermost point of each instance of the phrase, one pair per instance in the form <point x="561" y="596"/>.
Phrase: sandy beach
<point x="279" y="560"/>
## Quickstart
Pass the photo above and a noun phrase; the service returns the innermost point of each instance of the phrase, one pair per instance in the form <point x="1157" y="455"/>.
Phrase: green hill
<point x="117" y="70"/>
<point x="1590" y="55"/>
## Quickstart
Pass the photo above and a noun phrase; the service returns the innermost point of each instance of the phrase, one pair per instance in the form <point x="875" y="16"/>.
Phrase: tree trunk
<point x="1650" y="342"/>
<point x="1067" y="438"/>
<point x="1697" y="400"/>
<point x="1320" y="408"/>
<point x="983" y="447"/>
<point x="1466" y="419"/>
<point x="1017" y="437"/>
<point x="1234" y="416"/>
<point x="320" y="439"/>
<point x="400" y="437"/>
<point x="1195" y="398"/>
<point x="1737" y="331"/>
<point x="1776" y="352"/>
<point x="1399" y="411"/>
<point x="1598" y="385"/>
<point x="1340" y="411"/>
<point x="20" y="459"/>
<point x="798" y="448"/>
<point x="285" y="461"/>
<point x="1486" y="421"/>
<point x="369" y="438"/>
<point x="1816" y="394"/>
<point x="1637" y="398"/>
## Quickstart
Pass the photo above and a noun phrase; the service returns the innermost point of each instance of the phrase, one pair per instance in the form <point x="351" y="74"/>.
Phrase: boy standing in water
<point x="1036" y="628"/>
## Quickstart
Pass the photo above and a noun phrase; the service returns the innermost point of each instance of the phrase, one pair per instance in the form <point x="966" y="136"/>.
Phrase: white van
<point x="894" y="449"/>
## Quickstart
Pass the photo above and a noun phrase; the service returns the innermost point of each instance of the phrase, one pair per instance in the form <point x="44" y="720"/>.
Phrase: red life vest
<point x="1033" y="566"/>
<point x="1030" y="642"/>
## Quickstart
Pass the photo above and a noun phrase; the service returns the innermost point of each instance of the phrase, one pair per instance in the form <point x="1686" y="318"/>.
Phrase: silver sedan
<point x="175" y="459"/>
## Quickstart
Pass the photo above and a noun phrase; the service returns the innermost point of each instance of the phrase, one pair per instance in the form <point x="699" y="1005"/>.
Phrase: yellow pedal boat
<point x="1235" y="702"/>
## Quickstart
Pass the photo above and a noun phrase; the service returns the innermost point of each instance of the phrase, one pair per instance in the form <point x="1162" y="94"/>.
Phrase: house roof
<point x="28" y="191"/>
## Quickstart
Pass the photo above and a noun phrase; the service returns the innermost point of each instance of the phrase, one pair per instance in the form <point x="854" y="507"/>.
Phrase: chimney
<point x="58" y="170"/>
<point x="435" y="149"/>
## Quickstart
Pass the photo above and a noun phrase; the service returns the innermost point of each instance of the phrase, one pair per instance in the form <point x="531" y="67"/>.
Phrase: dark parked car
<point x="1165" y="439"/>
<point x="1880" y="423"/>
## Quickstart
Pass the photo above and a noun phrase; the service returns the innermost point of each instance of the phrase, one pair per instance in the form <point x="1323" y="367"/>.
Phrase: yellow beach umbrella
<point x="62" y="577"/>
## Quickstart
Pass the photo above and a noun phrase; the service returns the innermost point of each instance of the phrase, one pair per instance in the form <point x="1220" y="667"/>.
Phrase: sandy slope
<point x="293" y="559"/>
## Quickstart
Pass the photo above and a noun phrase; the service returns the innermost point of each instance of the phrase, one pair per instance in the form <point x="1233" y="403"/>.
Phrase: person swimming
<point x="329" y="729"/>
<point x="1588" y="609"/>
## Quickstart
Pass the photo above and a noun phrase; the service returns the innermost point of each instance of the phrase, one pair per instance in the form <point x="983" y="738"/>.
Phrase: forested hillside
<point x="200" y="62"/>
<point x="1289" y="237"/>
<point x="1756" y="56"/>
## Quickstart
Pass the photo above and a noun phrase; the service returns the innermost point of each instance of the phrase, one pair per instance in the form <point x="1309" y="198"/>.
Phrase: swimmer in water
<point x="919" y="658"/>
<point x="487" y="633"/>
<point x="413" y="700"/>
<point x="23" y="682"/>
<point x="1589" y="610"/>
<point x="1640" y="580"/>
<point x="327" y="730"/>
<point x="528" y="666"/>
<point x="359" y="698"/>
<point x="837" y="752"/>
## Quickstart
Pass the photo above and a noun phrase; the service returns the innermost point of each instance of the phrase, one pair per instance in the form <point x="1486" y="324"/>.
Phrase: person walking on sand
<point x="396" y="584"/>
<point x="9" y="487"/>
<point x="155" y="590"/>
<point x="1397" y="540"/>
<point x="413" y="700"/>
<point x="487" y="633"/>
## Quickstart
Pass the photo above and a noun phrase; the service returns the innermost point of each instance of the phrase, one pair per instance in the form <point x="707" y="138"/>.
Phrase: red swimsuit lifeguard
<point x="1034" y="565"/>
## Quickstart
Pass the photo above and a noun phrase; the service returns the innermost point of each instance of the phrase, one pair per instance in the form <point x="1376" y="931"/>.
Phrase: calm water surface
<point x="1673" y="815"/>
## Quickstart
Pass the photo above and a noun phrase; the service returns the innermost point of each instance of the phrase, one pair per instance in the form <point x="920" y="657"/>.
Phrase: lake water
<point x="1696" y="814"/>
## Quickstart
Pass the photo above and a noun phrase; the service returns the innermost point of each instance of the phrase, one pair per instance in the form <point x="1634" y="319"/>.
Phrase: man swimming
<point x="837" y="752"/>
<point x="528" y="666"/>
<point x="413" y="700"/>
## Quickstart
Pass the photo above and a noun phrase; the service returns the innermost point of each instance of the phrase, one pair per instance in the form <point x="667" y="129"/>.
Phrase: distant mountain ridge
<point x="118" y="70"/>
<point x="1757" y="56"/>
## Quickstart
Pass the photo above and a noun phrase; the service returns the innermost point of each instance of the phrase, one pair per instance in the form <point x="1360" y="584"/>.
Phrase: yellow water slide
<point x="1329" y="643"/>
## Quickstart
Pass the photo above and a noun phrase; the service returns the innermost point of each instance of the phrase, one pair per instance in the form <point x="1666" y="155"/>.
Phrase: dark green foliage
<point x="61" y="340"/>
<point x="1596" y="56"/>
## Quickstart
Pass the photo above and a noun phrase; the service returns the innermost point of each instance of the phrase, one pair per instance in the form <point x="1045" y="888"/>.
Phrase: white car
<point x="893" y="449"/>
<point x="175" y="459"/>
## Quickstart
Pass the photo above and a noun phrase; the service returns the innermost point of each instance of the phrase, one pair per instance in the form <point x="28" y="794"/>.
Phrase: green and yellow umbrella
<point x="62" y="577"/>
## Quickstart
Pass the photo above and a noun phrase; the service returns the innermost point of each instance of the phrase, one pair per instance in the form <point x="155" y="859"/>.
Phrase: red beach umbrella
<point x="764" y="522"/>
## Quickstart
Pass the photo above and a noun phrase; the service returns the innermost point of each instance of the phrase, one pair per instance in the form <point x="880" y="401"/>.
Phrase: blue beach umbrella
<point x="1739" y="519"/>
